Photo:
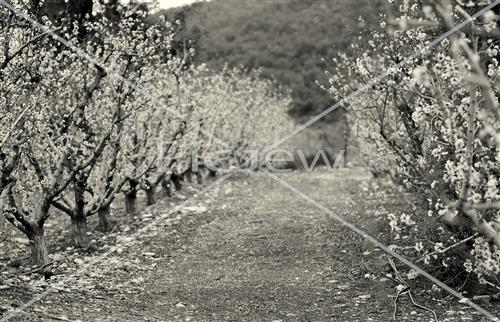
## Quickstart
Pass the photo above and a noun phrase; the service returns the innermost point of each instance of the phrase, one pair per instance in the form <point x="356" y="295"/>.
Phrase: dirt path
<point x="266" y="257"/>
<point x="260" y="253"/>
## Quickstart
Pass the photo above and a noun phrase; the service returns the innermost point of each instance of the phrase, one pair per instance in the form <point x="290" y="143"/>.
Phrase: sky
<point x="174" y="3"/>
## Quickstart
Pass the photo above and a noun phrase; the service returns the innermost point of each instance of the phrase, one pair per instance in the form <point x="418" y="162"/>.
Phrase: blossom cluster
<point x="431" y="119"/>
<point x="116" y="111"/>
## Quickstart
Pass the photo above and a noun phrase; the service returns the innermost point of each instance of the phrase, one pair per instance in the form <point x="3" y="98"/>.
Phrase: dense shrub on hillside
<point x="288" y="40"/>
<point x="431" y="119"/>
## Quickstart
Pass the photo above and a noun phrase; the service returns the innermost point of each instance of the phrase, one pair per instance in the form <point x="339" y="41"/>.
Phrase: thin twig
<point x="396" y="304"/>
<point x="408" y="290"/>
<point x="422" y="307"/>
<point x="461" y="242"/>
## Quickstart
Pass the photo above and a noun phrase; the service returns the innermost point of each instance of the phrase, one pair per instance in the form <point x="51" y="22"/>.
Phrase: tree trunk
<point x="176" y="180"/>
<point x="79" y="231"/>
<point x="199" y="177"/>
<point x="189" y="177"/>
<point x="212" y="173"/>
<point x="104" y="223"/>
<point x="39" y="251"/>
<point x="347" y="138"/>
<point x="131" y="202"/>
<point x="166" y="188"/>
<point x="79" y="218"/>
<point x="150" y="196"/>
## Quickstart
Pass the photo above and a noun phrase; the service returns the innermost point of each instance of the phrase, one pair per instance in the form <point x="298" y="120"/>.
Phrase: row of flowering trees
<point x="432" y="120"/>
<point x="77" y="130"/>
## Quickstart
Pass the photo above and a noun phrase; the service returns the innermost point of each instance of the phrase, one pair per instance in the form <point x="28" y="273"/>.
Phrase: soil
<point x="253" y="251"/>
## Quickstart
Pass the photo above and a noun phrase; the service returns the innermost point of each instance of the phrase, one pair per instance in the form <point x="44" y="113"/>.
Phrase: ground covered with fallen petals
<point x="248" y="249"/>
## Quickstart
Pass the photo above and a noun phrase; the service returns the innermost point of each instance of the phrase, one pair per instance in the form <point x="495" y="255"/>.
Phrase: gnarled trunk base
<point x="104" y="223"/>
<point x="177" y="181"/>
<point x="199" y="178"/>
<point x="150" y="196"/>
<point x="79" y="231"/>
<point x="131" y="202"/>
<point x="38" y="244"/>
<point x="166" y="188"/>
<point x="212" y="173"/>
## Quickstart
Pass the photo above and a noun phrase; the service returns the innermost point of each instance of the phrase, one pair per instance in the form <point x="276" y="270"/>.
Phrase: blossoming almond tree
<point x="238" y="112"/>
<point x="26" y="79"/>
<point x="433" y="120"/>
<point x="66" y="136"/>
<point x="76" y="134"/>
<point x="134" y="52"/>
<point x="47" y="163"/>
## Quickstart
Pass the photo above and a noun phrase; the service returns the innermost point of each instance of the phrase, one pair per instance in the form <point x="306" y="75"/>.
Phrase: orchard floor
<point x="252" y="250"/>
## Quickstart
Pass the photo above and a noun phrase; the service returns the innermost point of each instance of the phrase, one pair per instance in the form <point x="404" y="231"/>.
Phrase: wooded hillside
<point x="288" y="40"/>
